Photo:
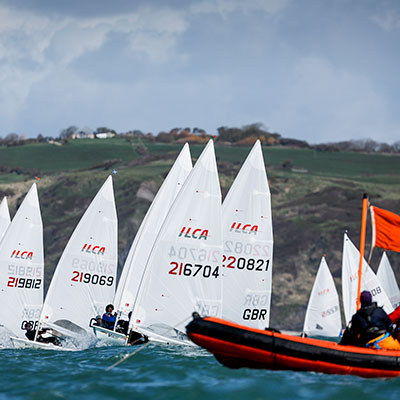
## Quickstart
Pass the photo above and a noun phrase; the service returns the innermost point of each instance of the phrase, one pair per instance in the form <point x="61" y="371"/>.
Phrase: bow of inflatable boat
<point x="237" y="346"/>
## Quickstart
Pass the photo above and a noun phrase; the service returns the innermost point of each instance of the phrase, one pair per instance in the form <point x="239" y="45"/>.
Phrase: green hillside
<point x="80" y="154"/>
<point x="315" y="197"/>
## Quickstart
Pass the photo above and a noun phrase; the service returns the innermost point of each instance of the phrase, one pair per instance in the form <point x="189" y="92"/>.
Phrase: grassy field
<point x="81" y="154"/>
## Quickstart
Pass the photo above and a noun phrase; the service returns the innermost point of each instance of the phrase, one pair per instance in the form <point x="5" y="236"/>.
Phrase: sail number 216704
<point x="193" y="270"/>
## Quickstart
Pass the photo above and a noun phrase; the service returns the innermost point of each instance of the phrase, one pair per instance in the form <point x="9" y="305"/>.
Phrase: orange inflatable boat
<point x="237" y="346"/>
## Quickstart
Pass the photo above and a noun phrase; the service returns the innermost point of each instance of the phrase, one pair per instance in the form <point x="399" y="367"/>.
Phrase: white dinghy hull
<point x="20" y="343"/>
<point x="110" y="337"/>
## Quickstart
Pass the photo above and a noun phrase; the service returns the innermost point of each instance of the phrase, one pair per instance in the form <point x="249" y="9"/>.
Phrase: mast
<point x="362" y="244"/>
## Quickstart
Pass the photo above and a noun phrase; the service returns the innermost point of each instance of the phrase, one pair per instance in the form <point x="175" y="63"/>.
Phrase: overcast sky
<point x="317" y="70"/>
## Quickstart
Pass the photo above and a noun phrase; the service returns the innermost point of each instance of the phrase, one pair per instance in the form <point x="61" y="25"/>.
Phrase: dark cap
<point x="366" y="298"/>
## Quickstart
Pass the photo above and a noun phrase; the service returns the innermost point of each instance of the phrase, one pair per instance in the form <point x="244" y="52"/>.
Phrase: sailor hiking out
<point x="43" y="336"/>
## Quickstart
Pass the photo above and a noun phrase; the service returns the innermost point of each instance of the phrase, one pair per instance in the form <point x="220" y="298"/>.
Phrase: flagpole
<point x="362" y="244"/>
<point x="371" y="209"/>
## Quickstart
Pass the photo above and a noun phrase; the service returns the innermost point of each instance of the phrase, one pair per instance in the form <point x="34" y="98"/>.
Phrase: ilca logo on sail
<point x="196" y="233"/>
<point x="24" y="255"/>
<point x="245" y="228"/>
<point x="93" y="250"/>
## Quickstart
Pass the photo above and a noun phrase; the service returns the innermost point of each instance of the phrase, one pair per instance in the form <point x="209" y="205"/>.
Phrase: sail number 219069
<point x="93" y="279"/>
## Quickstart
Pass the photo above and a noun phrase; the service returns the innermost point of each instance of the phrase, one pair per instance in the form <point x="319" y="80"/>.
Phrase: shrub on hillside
<point x="246" y="135"/>
<point x="164" y="137"/>
<point x="193" y="139"/>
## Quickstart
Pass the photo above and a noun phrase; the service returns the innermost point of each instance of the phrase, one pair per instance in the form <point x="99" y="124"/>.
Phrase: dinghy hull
<point x="110" y="337"/>
<point x="25" y="343"/>
<point x="237" y="346"/>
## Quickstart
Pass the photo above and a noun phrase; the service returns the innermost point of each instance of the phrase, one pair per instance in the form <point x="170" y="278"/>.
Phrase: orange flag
<point x="385" y="229"/>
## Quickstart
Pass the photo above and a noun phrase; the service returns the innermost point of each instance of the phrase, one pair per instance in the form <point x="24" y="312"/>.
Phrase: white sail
<point x="144" y="240"/>
<point x="387" y="278"/>
<point x="4" y="217"/>
<point x="183" y="271"/>
<point x="369" y="281"/>
<point x="323" y="310"/>
<point x="21" y="267"/>
<point x="248" y="244"/>
<point x="84" y="280"/>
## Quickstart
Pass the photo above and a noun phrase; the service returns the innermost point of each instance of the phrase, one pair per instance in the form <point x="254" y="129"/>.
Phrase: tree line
<point x="230" y="136"/>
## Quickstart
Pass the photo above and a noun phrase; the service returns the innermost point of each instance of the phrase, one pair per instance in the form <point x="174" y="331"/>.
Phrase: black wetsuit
<point x="123" y="326"/>
<point x="30" y="334"/>
<point x="52" y="339"/>
<point x="367" y="323"/>
<point x="137" y="338"/>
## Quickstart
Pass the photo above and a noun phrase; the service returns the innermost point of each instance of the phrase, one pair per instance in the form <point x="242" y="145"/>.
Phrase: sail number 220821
<point x="243" y="263"/>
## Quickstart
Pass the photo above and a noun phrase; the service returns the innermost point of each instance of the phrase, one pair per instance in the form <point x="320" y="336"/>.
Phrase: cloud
<point x="387" y="20"/>
<point x="217" y="62"/>
<point x="34" y="47"/>
<point x="156" y="32"/>
<point x="67" y="38"/>
<point x="327" y="103"/>
<point x="224" y="7"/>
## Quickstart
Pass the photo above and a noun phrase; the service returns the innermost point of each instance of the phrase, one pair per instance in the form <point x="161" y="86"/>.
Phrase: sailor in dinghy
<point x="21" y="269"/>
<point x="135" y="264"/>
<point x="115" y="333"/>
<point x="84" y="278"/>
<point x="43" y="336"/>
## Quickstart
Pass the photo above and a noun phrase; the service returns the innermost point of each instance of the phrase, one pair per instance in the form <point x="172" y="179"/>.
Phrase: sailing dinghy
<point x="4" y="217"/>
<point x="84" y="279"/>
<point x="21" y="268"/>
<point x="141" y="247"/>
<point x="387" y="278"/>
<point x="183" y="273"/>
<point x="323" y="309"/>
<point x="369" y="281"/>
<point x="248" y="245"/>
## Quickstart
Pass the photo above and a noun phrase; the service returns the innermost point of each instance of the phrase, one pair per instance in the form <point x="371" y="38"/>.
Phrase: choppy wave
<point x="167" y="372"/>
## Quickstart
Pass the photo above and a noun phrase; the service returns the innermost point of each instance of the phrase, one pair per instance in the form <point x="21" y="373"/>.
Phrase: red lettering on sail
<point x="238" y="227"/>
<point x="324" y="291"/>
<point x="193" y="233"/>
<point x="93" y="250"/>
<point x="23" y="255"/>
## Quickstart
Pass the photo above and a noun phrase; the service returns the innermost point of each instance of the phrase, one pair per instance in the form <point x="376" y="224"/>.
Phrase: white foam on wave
<point x="5" y="341"/>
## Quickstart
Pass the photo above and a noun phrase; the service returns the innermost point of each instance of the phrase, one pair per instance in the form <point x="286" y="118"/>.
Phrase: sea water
<point x="167" y="372"/>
